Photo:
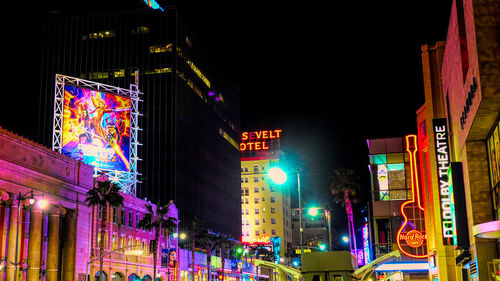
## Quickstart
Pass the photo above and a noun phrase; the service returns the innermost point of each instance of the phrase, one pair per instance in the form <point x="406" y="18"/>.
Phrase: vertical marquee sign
<point x="446" y="201"/>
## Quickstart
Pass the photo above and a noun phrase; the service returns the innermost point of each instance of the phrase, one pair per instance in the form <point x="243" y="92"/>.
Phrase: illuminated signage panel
<point x="439" y="127"/>
<point x="96" y="128"/>
<point x="261" y="240"/>
<point x="153" y="4"/>
<point x="258" y="140"/>
<point x="366" y="244"/>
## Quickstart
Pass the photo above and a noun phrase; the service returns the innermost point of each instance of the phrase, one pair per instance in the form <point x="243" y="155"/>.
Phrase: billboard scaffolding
<point x="98" y="124"/>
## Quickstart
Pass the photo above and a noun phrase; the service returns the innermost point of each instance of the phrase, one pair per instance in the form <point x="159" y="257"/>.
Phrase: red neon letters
<point x="258" y="140"/>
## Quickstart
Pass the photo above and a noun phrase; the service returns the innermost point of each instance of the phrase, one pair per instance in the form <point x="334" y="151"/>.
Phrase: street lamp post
<point x="20" y="198"/>
<point x="279" y="177"/>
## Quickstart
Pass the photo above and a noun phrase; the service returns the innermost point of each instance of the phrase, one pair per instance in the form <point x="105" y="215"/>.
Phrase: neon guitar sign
<point x="411" y="237"/>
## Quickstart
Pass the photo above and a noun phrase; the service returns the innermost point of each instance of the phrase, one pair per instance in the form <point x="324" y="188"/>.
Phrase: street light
<point x="20" y="199"/>
<point x="279" y="177"/>
<point x="345" y="239"/>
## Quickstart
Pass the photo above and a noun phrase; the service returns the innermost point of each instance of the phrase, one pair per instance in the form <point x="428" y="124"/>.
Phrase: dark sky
<point x="330" y="76"/>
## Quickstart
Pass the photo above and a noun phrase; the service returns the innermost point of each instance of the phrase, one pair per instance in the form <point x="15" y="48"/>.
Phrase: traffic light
<point x="322" y="247"/>
<point x="238" y="251"/>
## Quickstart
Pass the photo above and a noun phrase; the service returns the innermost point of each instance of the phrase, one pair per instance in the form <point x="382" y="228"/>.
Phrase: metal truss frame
<point x="126" y="179"/>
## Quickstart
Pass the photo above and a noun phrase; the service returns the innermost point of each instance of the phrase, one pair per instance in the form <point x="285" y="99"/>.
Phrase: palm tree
<point x="224" y="243"/>
<point x="159" y="221"/>
<point x="207" y="239"/>
<point x="345" y="188"/>
<point x="195" y="228"/>
<point x="104" y="194"/>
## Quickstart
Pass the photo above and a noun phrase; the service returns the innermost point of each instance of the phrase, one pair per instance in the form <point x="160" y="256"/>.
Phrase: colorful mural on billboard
<point x="96" y="128"/>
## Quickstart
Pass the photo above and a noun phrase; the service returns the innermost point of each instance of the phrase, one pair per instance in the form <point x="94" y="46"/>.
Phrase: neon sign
<point x="153" y="5"/>
<point x="258" y="140"/>
<point x="261" y="240"/>
<point x="413" y="238"/>
<point x="412" y="231"/>
<point x="439" y="127"/>
<point x="366" y="244"/>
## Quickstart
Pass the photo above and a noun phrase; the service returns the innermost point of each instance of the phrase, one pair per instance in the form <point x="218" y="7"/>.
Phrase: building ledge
<point x="489" y="230"/>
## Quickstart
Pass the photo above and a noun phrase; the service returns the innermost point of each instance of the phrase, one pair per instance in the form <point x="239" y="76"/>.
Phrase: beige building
<point x="265" y="206"/>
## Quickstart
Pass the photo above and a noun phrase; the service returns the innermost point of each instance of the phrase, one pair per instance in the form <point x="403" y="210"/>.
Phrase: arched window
<point x="117" y="277"/>
<point x="101" y="276"/>
<point x="147" y="278"/>
<point x="133" y="277"/>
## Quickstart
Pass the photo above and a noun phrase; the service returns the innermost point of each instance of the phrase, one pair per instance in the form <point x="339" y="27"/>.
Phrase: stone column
<point x="69" y="246"/>
<point x="35" y="244"/>
<point x="52" y="265"/>
<point x="11" y="246"/>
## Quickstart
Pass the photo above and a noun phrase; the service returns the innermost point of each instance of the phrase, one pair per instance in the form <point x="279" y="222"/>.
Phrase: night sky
<point x="330" y="76"/>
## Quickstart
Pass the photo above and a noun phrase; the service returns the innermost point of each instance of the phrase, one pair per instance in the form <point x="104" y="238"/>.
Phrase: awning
<point x="294" y="273"/>
<point x="368" y="268"/>
<point x="489" y="230"/>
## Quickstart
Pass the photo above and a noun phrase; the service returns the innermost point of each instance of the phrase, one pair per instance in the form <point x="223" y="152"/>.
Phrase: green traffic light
<point x="239" y="250"/>
<point x="322" y="247"/>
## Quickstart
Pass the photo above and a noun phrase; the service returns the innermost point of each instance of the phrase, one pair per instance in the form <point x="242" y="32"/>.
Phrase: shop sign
<point x="411" y="236"/>
<point x="446" y="201"/>
<point x="261" y="240"/>
<point x="468" y="102"/>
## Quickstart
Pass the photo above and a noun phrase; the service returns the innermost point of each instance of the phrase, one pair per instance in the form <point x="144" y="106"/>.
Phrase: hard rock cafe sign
<point x="411" y="237"/>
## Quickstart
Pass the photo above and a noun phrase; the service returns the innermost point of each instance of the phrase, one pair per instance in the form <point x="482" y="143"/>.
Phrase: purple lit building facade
<point x="57" y="241"/>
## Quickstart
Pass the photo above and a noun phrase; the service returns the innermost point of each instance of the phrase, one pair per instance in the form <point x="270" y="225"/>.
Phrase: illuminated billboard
<point x="98" y="124"/>
<point x="96" y="128"/>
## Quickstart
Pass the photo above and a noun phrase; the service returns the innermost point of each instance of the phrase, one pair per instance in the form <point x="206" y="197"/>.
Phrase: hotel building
<point x="265" y="206"/>
<point x="458" y="128"/>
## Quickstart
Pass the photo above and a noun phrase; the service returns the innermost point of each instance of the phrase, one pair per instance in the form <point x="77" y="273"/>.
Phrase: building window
<point x="256" y="200"/>
<point x="256" y="190"/>
<point x="256" y="168"/>
<point x="257" y="233"/>
<point x="273" y="199"/>
<point x="246" y="211"/>
<point x="273" y="210"/>
<point x="493" y="144"/>
<point x="115" y="215"/>
<point x="273" y="221"/>
<point x="273" y="231"/>
<point x="137" y="218"/>
<point x="257" y="222"/>
<point x="256" y="211"/>
<point x="122" y="216"/>
<point x="256" y="179"/>
<point x="130" y="219"/>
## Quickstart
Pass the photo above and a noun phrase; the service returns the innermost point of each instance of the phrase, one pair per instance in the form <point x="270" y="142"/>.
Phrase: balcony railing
<point x="122" y="257"/>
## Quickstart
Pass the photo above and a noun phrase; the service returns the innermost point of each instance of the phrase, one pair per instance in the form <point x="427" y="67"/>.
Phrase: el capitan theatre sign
<point x="258" y="140"/>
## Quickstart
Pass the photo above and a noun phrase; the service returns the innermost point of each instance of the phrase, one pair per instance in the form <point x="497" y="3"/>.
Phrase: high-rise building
<point x="265" y="206"/>
<point x="190" y="119"/>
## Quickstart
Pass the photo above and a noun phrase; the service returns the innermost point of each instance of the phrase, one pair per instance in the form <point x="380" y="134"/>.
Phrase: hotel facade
<point x="265" y="206"/>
